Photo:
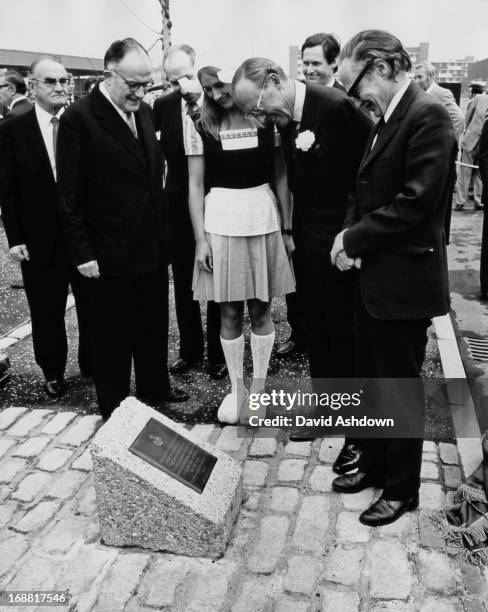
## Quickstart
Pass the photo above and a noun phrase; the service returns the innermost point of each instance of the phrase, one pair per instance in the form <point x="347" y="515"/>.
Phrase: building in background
<point x="478" y="72"/>
<point x="295" y="69"/>
<point x="419" y="54"/>
<point x="455" y="71"/>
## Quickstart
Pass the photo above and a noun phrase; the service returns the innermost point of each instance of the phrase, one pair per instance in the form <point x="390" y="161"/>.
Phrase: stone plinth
<point x="140" y="505"/>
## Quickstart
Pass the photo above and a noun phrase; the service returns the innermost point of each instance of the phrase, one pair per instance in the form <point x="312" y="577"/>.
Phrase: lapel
<point x="309" y="115"/>
<point x="390" y="128"/>
<point x="147" y="136"/>
<point x="34" y="133"/>
<point x="115" y="125"/>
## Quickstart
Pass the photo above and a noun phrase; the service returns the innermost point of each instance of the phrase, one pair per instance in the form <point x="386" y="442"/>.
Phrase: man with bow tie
<point x="110" y="174"/>
<point x="323" y="135"/>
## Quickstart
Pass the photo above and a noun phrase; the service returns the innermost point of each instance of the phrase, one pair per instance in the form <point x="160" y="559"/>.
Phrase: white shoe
<point x="231" y="407"/>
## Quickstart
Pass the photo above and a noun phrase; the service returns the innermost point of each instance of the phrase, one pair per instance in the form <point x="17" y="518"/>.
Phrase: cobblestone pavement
<point x="296" y="546"/>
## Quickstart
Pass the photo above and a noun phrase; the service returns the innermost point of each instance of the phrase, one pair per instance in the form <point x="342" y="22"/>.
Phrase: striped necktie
<point x="129" y="117"/>
<point x="55" y="124"/>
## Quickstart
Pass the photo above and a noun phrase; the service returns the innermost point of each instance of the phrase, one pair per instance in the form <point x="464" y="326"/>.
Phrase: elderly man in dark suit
<point x="396" y="238"/>
<point x="110" y="171"/>
<point x="172" y="112"/>
<point x="483" y="166"/>
<point x="30" y="202"/>
<point x="328" y="134"/>
<point x="12" y="93"/>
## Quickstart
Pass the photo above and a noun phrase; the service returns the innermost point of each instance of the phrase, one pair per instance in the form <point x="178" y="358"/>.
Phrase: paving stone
<point x="270" y="544"/>
<point x="473" y="605"/>
<point x="32" y="447"/>
<point x="251" y="500"/>
<point x="8" y="416"/>
<point x="435" y="571"/>
<point x="5" y="446"/>
<point x="37" y="572"/>
<point x="302" y="574"/>
<point x="63" y="536"/>
<point x="430" y="536"/>
<point x="84" y="462"/>
<point x="448" y="453"/>
<point x="37" y="517"/>
<point x="203" y="430"/>
<point x="229" y="441"/>
<point x="452" y="476"/>
<point x="86" y="501"/>
<point x="58" y="423"/>
<point x="87" y="567"/>
<point x="122" y="579"/>
<point x="9" y="470"/>
<point x="349" y="529"/>
<point x="391" y="576"/>
<point x="255" y="473"/>
<point x="329" y="449"/>
<point x="284" y="499"/>
<point x="429" y="471"/>
<point x="429" y="446"/>
<point x="81" y="430"/>
<point x="7" y="510"/>
<point x="11" y="549"/>
<point x="28" y="422"/>
<point x="290" y="604"/>
<point x="431" y="496"/>
<point x="160" y="593"/>
<point x="339" y="601"/>
<point x="210" y="586"/>
<point x="256" y="594"/>
<point x="343" y="565"/>
<point x="474" y="581"/>
<point x="67" y="484"/>
<point x="400" y="528"/>
<point x="429" y="457"/>
<point x="31" y="486"/>
<point x="53" y="459"/>
<point x="291" y="470"/>
<point x="298" y="449"/>
<point x="358" y="501"/>
<point x="438" y="605"/>
<point x="243" y="531"/>
<point x="312" y="523"/>
<point x="263" y="447"/>
<point x="321" y="478"/>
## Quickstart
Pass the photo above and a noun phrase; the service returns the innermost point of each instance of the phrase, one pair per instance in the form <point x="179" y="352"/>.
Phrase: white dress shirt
<point x="299" y="100"/>
<point x="128" y="118"/>
<point x="44" y="121"/>
<point x="393" y="104"/>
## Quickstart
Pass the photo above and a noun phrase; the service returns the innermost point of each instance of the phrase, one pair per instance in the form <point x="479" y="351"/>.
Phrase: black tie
<point x="193" y="111"/>
<point x="55" y="124"/>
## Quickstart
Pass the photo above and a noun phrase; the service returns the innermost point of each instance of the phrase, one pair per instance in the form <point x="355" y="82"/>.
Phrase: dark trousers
<point x="188" y="314"/>
<point x="295" y="302"/>
<point x="129" y="321"/>
<point x="46" y="289"/>
<point x="392" y="349"/>
<point x="484" y="253"/>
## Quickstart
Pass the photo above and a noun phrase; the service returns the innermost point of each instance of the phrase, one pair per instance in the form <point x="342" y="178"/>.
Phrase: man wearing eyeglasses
<point x="110" y="171"/>
<point x="30" y="206"/>
<point x="396" y="239"/>
<point x="324" y="135"/>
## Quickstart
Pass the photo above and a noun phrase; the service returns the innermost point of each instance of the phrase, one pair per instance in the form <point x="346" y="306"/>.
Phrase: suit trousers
<point x="46" y="289"/>
<point x="188" y="314"/>
<point x="392" y="349"/>
<point x="129" y="322"/>
<point x="464" y="176"/>
<point x="484" y="253"/>
<point x="295" y="302"/>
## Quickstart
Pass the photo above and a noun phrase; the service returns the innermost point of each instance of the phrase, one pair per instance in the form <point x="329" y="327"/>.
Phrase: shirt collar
<point x="14" y="102"/>
<point x="395" y="101"/>
<point x="103" y="89"/>
<point x="430" y="88"/>
<point x="43" y="117"/>
<point x="299" y="100"/>
<point x="199" y="101"/>
<point x="331" y="82"/>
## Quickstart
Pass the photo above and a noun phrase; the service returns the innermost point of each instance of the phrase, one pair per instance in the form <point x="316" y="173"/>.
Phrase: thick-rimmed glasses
<point x="353" y="90"/>
<point x="135" y="85"/>
<point x="51" y="82"/>
<point x="257" y="110"/>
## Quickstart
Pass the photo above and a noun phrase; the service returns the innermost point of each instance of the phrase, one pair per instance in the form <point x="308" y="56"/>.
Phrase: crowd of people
<point x="334" y="191"/>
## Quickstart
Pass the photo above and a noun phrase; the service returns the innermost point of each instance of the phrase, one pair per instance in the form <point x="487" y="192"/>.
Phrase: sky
<point x="225" y="32"/>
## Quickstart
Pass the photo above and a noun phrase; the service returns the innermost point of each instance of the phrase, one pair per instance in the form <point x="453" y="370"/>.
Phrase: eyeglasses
<point x="135" y="85"/>
<point x="4" y="85"/>
<point x="257" y="110"/>
<point x="353" y="90"/>
<point x="51" y="82"/>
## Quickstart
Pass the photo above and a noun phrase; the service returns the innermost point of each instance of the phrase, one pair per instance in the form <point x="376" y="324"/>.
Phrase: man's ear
<point x="274" y="78"/>
<point x="382" y="68"/>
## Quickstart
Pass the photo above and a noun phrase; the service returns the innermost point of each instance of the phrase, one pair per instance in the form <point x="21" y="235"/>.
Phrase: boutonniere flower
<point x="305" y="140"/>
<point x="158" y="135"/>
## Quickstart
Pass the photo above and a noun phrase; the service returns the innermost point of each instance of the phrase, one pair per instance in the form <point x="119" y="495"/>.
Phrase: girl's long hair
<point x="213" y="115"/>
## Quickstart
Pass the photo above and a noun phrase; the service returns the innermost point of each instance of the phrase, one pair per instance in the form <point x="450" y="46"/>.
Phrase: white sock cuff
<point x="263" y="338"/>
<point x="233" y="342"/>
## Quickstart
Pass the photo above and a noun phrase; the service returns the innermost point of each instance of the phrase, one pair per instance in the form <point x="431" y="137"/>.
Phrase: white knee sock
<point x="261" y="347"/>
<point x="234" y="358"/>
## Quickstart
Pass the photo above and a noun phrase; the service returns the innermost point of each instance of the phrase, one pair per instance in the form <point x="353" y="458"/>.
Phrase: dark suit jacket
<point x="111" y="185"/>
<point x="28" y="191"/>
<point x="323" y="177"/>
<point x="483" y="161"/>
<point x="19" y="108"/>
<point x="339" y="86"/>
<point x="404" y="185"/>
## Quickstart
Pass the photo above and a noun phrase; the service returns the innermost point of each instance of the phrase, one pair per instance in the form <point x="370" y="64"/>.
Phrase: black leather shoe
<point x="386" y="511"/>
<point x="347" y="460"/>
<point x="176" y="396"/>
<point x="479" y="207"/>
<point x="217" y="371"/>
<point x="288" y="349"/>
<point x="54" y="388"/>
<point x="180" y="366"/>
<point x="353" y="483"/>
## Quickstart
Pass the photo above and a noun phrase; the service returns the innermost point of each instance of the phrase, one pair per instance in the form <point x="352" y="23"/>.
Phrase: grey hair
<point x="256" y="69"/>
<point x="429" y="68"/>
<point x="181" y="48"/>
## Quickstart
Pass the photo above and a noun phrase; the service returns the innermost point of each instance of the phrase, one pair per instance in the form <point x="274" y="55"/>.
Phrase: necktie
<point x="131" y="124"/>
<point x="55" y="124"/>
<point x="377" y="130"/>
<point x="193" y="111"/>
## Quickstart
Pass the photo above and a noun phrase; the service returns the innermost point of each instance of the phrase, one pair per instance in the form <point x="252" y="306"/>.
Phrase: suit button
<point x="363" y="179"/>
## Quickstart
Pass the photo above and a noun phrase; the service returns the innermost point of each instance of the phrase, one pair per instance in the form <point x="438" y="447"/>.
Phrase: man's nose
<point x="217" y="94"/>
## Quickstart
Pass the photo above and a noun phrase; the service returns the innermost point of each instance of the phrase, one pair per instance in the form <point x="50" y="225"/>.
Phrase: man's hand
<point x="343" y="262"/>
<point x="89" y="269"/>
<point x="337" y="247"/>
<point x="289" y="244"/>
<point x="203" y="256"/>
<point x="19" y="253"/>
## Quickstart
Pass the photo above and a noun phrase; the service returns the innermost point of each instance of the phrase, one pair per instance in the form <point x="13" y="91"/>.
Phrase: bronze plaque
<point x="172" y="453"/>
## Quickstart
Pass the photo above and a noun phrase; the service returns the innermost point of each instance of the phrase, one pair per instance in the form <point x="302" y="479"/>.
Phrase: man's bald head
<point x="49" y="83"/>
